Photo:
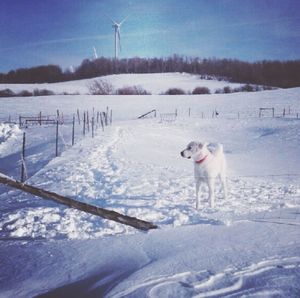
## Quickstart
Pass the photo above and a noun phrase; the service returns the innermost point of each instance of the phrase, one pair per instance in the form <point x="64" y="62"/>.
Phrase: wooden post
<point x="104" y="213"/>
<point x="110" y="118"/>
<point x="20" y="121"/>
<point x="259" y="115"/>
<point x="92" y="127"/>
<point x="189" y="112"/>
<point x="97" y="116"/>
<point x="273" y="112"/>
<point x="88" y="121"/>
<point x="84" y="123"/>
<point x="101" y="120"/>
<point x="57" y="114"/>
<point x="23" y="159"/>
<point x="283" y="113"/>
<point x="78" y="116"/>
<point x="176" y="113"/>
<point x="106" y="117"/>
<point x="73" y="130"/>
<point x="40" y="118"/>
<point x="56" y="140"/>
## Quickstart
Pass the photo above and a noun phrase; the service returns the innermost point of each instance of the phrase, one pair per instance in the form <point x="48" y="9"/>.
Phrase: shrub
<point x="6" y="93"/>
<point x="42" y="92"/>
<point x="201" y="90"/>
<point x="227" y="89"/>
<point x="174" y="91"/>
<point x="247" y="88"/>
<point x="25" y="93"/>
<point x="132" y="90"/>
<point x="218" y="91"/>
<point x="101" y="87"/>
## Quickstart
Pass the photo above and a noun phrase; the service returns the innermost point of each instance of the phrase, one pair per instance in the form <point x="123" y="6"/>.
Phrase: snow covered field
<point x="153" y="83"/>
<point x="248" y="245"/>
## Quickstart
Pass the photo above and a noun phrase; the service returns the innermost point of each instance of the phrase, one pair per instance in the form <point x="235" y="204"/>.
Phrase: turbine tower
<point x="117" y="27"/>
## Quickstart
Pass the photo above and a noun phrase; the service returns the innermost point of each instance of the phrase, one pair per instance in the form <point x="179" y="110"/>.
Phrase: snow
<point x="153" y="83"/>
<point x="247" y="245"/>
<point x="9" y="135"/>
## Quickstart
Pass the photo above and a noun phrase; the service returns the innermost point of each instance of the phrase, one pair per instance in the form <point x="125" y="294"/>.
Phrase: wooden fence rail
<point x="104" y="213"/>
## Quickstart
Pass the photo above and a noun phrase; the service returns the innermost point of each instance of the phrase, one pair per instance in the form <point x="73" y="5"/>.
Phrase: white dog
<point x="208" y="165"/>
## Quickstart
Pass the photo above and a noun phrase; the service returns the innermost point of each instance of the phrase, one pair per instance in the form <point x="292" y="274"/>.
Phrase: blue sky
<point x="64" y="32"/>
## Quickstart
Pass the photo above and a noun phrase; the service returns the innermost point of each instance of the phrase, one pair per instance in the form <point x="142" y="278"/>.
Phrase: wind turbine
<point x="117" y="27"/>
<point x="95" y="53"/>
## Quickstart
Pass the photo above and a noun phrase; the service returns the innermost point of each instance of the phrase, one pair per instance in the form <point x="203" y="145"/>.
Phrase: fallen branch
<point x="104" y="213"/>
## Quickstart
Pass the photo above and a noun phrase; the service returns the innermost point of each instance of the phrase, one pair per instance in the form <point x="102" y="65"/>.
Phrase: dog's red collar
<point x="202" y="159"/>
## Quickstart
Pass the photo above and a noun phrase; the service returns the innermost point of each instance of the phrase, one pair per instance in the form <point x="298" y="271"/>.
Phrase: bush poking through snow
<point x="201" y="90"/>
<point x="42" y="92"/>
<point x="174" y="91"/>
<point x="101" y="87"/>
<point x="132" y="90"/>
<point x="6" y="93"/>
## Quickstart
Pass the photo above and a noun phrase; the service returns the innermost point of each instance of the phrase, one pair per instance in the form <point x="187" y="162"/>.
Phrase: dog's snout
<point x="182" y="153"/>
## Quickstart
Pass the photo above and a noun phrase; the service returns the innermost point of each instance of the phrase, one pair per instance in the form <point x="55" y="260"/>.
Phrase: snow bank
<point x="10" y="135"/>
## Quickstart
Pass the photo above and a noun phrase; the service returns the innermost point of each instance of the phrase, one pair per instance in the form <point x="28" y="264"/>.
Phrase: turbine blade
<point x="115" y="23"/>
<point x="124" y="20"/>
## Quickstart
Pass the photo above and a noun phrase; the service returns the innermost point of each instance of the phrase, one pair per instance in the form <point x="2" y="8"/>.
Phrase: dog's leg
<point x="211" y="187"/>
<point x="224" y="185"/>
<point x="198" y="183"/>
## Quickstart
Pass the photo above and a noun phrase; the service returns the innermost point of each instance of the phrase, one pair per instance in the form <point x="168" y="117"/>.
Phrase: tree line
<point x="283" y="74"/>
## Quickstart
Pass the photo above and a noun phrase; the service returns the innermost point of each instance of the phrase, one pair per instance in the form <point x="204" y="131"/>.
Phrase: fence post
<point x="20" y="121"/>
<point x="110" y="117"/>
<point x="23" y="159"/>
<point x="176" y="113"/>
<point x="92" y="127"/>
<point x="101" y="120"/>
<point x="189" y="112"/>
<point x="56" y="140"/>
<point x="78" y="116"/>
<point x="73" y="130"/>
<point x="283" y="113"/>
<point x="40" y="118"/>
<point x="88" y="121"/>
<point x="106" y="116"/>
<point x="273" y="112"/>
<point x="84" y="123"/>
